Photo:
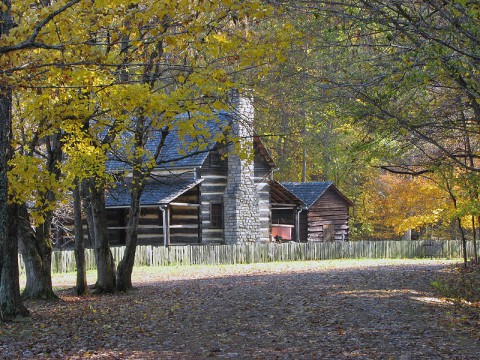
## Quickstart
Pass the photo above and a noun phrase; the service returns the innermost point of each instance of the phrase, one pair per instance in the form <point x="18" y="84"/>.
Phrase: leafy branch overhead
<point x="79" y="74"/>
<point x="154" y="59"/>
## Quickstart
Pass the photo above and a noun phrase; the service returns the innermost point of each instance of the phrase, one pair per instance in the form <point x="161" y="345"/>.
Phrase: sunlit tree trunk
<point x="81" y="283"/>
<point x="36" y="249"/>
<point x="36" y="244"/>
<point x="105" y="263"/>
<point x="125" y="267"/>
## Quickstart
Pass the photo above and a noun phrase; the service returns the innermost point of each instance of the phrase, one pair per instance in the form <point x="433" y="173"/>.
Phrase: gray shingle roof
<point x="156" y="192"/>
<point x="308" y="192"/>
<point x="279" y="194"/>
<point x="178" y="151"/>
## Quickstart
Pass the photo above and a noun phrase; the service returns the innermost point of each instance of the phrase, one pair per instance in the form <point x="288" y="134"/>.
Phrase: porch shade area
<point x="285" y="208"/>
<point x="169" y="212"/>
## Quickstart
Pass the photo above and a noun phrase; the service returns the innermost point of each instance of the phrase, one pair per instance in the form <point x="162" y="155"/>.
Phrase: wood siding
<point x="184" y="220"/>
<point x="214" y="175"/>
<point x="303" y="226"/>
<point x="184" y="223"/>
<point x="149" y="226"/>
<point x="190" y="224"/>
<point x="262" y="173"/>
<point x="212" y="189"/>
<point x="330" y="210"/>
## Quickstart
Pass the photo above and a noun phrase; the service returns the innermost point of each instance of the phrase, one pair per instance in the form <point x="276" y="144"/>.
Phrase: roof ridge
<point x="303" y="190"/>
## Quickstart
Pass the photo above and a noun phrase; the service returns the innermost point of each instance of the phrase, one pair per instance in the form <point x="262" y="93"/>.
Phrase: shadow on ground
<point x="366" y="313"/>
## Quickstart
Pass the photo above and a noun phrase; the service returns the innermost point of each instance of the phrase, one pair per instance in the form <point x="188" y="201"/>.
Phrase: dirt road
<point x="321" y="310"/>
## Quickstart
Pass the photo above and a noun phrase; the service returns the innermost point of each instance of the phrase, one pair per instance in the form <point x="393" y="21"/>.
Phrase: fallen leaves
<point x="242" y="312"/>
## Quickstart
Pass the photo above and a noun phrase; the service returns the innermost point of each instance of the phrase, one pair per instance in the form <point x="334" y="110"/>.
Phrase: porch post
<point x="165" y="224"/>
<point x="167" y="221"/>
<point x="297" y="224"/>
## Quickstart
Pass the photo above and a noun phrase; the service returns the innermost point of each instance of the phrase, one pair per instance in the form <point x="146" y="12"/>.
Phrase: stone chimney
<point x="241" y="206"/>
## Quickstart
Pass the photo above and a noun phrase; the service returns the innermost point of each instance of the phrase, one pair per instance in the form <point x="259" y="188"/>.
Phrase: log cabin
<point x="325" y="214"/>
<point x="205" y="197"/>
<point x="215" y="197"/>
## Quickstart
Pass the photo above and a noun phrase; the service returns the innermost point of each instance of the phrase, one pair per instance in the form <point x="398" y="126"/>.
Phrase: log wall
<point x="214" y="175"/>
<point x="328" y="218"/>
<point x="212" y="191"/>
<point x="262" y="173"/>
<point x="184" y="220"/>
<point x="184" y="223"/>
<point x="192" y="224"/>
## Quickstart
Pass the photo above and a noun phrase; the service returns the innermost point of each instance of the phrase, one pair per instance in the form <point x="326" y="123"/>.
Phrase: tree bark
<point x="36" y="249"/>
<point x="37" y="245"/>
<point x="125" y="267"/>
<point x="85" y="197"/>
<point x="103" y="255"/>
<point x="464" y="242"/>
<point x="475" y="251"/>
<point x="10" y="299"/>
<point x="139" y="177"/>
<point x="11" y="304"/>
<point x="81" y="284"/>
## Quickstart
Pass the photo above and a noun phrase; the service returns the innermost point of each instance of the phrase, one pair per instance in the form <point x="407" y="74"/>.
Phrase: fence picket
<point x="148" y="255"/>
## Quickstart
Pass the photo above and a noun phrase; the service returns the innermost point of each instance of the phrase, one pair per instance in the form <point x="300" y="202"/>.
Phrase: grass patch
<point x="63" y="281"/>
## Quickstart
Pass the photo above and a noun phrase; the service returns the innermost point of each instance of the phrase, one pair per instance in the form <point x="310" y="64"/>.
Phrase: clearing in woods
<point x="345" y="309"/>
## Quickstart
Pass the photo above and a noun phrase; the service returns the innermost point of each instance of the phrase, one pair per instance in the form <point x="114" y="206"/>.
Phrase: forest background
<point x="380" y="97"/>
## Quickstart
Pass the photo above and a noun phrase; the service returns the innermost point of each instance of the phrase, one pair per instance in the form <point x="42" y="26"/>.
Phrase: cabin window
<point x="214" y="158"/>
<point x="216" y="216"/>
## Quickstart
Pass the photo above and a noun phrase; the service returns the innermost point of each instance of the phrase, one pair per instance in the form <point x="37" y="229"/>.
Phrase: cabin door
<point x="328" y="231"/>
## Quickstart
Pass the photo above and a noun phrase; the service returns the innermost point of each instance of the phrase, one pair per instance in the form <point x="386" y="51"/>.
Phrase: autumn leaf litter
<point x="310" y="310"/>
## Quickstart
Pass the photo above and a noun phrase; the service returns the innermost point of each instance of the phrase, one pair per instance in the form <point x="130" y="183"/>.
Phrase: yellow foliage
<point x="94" y="66"/>
<point x="401" y="203"/>
<point x="30" y="182"/>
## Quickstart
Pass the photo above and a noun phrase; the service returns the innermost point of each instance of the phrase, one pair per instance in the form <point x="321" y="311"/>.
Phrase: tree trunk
<point x="139" y="176"/>
<point x="475" y="251"/>
<point x="105" y="263"/>
<point x="476" y="230"/>
<point x="125" y="267"/>
<point x="10" y="301"/>
<point x="11" y="304"/>
<point x="36" y="249"/>
<point x="81" y="285"/>
<point x="85" y="197"/>
<point x="407" y="235"/>
<point x="464" y="242"/>
<point x="87" y="209"/>
<point x="37" y="245"/>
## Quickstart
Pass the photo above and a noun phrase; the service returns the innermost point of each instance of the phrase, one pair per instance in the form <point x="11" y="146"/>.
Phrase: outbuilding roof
<point x="310" y="192"/>
<point x="280" y="195"/>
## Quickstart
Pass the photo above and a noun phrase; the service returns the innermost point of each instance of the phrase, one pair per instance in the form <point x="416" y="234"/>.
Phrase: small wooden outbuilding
<point x="326" y="212"/>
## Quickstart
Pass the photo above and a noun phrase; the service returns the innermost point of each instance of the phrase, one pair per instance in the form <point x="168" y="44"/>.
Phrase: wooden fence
<point x="64" y="260"/>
